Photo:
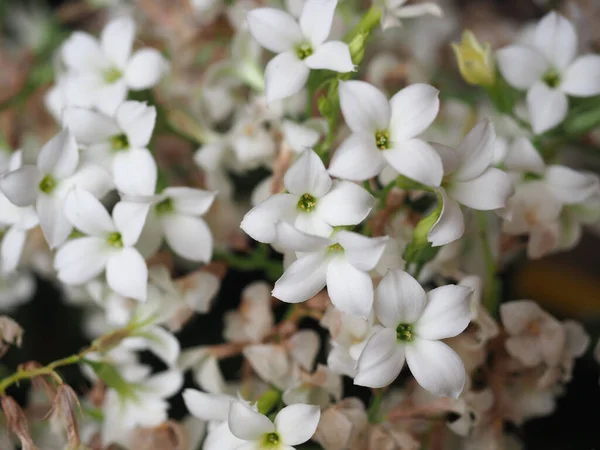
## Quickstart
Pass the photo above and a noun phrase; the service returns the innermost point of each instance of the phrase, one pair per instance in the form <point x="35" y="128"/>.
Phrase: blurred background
<point x="567" y="284"/>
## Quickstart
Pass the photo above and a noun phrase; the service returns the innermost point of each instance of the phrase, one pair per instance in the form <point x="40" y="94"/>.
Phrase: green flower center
<point x="551" y="78"/>
<point x="271" y="440"/>
<point x="119" y="142"/>
<point x="164" y="207"/>
<point x="335" y="248"/>
<point x="307" y="203"/>
<point x="304" y="50"/>
<point x="531" y="176"/>
<point x="404" y="332"/>
<point x="115" y="240"/>
<point x="47" y="184"/>
<point x="113" y="74"/>
<point x="382" y="139"/>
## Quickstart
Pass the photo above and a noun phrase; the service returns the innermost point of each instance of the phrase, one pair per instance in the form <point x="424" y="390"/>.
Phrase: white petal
<point x="190" y="201"/>
<point x="547" y="107"/>
<point x="299" y="137"/>
<point x="116" y="40"/>
<point x="285" y="75"/>
<point x="21" y="186"/>
<point x="81" y="260"/>
<point x="164" y="345"/>
<point x="189" y="237"/>
<point x="357" y="158"/>
<point x="127" y="274"/>
<point x="523" y="157"/>
<point x="89" y="126"/>
<point x="399" y="298"/>
<point x="87" y="214"/>
<point x="332" y="55"/>
<point x="164" y="384"/>
<point x="308" y="175"/>
<point x="436" y="367"/>
<point x="12" y="248"/>
<point x="346" y="204"/>
<point x="350" y="289"/>
<point x="490" y="190"/>
<point x="315" y="21"/>
<point x="304" y="346"/>
<point x="92" y="178"/>
<point x="556" y="38"/>
<point x="130" y="218"/>
<point x="303" y="279"/>
<point x="82" y="53"/>
<point x="313" y="224"/>
<point x="135" y="172"/>
<point x="365" y="108"/>
<point x="476" y="150"/>
<point x="55" y="225"/>
<point x="259" y="222"/>
<point x="59" y="156"/>
<point x="247" y="424"/>
<point x="362" y="252"/>
<point x="521" y="66"/>
<point x="108" y="97"/>
<point x="417" y="160"/>
<point x="448" y="155"/>
<point x="446" y="314"/>
<point x="137" y="120"/>
<point x="582" y="78"/>
<point x="570" y="186"/>
<point x="207" y="406"/>
<point x="145" y="69"/>
<point x="220" y="437"/>
<point x="274" y="29"/>
<point x="381" y="360"/>
<point x="414" y="108"/>
<point x="450" y="226"/>
<point x="296" y="424"/>
<point x="290" y="238"/>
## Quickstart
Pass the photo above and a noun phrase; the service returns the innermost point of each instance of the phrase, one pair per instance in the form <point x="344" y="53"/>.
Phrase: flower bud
<point x="475" y="61"/>
<point x="17" y="422"/>
<point x="357" y="47"/>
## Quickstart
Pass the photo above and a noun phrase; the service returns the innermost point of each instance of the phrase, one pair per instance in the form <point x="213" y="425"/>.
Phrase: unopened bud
<point x="17" y="422"/>
<point x="357" y="47"/>
<point x="475" y="61"/>
<point x="63" y="410"/>
<point x="169" y="435"/>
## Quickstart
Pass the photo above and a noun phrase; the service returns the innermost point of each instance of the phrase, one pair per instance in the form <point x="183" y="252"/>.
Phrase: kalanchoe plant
<point x="375" y="202"/>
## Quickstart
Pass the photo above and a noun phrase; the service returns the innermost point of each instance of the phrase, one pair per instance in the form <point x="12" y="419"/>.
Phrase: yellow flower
<point x="475" y="61"/>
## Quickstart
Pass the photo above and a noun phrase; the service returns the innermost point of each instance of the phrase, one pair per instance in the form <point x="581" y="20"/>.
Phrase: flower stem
<point x="373" y="412"/>
<point x="490" y="297"/>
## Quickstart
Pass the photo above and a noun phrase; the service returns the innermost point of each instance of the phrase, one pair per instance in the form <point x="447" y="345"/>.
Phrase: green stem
<point x="257" y="260"/>
<point x="373" y="412"/>
<point x="490" y="297"/>
<point x="369" y="21"/>
<point x="19" y="97"/>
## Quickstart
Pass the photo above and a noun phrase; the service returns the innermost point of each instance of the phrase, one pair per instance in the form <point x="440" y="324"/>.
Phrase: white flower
<point x="549" y="71"/>
<point x="314" y="203"/>
<point x="342" y="263"/>
<point x="254" y="319"/>
<point x="104" y="248"/>
<point x="119" y="144"/>
<point x="470" y="181"/>
<point x="300" y="46"/>
<point x="386" y="132"/>
<point x="414" y="323"/>
<point x="293" y="425"/>
<point x="15" y="222"/>
<point x="175" y="214"/>
<point x="100" y="73"/>
<point x="395" y="10"/>
<point x="145" y="404"/>
<point x="47" y="183"/>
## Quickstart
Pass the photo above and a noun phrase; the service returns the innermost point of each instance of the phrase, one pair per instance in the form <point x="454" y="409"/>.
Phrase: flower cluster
<point x="375" y="212"/>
